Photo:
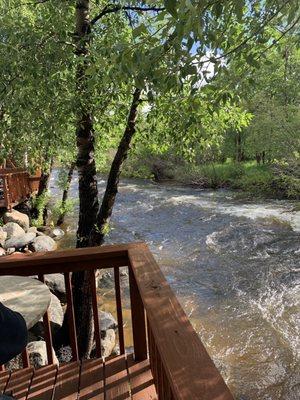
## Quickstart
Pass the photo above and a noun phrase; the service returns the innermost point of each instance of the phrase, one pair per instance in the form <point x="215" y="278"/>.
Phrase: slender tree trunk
<point x="88" y="192"/>
<point x="239" y="152"/>
<point x="65" y="196"/>
<point x="104" y="214"/>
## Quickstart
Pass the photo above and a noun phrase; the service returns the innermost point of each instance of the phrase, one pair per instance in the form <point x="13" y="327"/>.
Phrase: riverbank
<point x="264" y="181"/>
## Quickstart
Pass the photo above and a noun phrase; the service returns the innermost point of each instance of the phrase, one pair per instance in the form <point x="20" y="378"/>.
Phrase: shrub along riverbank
<point x="269" y="180"/>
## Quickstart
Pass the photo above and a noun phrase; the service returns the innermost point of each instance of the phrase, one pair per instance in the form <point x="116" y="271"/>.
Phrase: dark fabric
<point x="13" y="334"/>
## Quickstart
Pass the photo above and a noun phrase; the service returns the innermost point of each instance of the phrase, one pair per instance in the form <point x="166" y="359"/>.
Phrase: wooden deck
<point x="118" y="378"/>
<point x="16" y="185"/>
<point x="163" y="337"/>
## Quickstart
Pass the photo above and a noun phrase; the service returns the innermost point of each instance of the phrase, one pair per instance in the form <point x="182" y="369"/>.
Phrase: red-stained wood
<point x="71" y="317"/>
<point x="19" y="383"/>
<point x="4" y="377"/>
<point x="138" y="320"/>
<point x="92" y="380"/>
<point x="141" y="380"/>
<point x="42" y="384"/>
<point x="69" y="260"/>
<point x="119" y="309"/>
<point x="116" y="379"/>
<point x="67" y="382"/>
<point x="188" y="367"/>
<point x="25" y="358"/>
<point x="48" y="333"/>
<point x="95" y="313"/>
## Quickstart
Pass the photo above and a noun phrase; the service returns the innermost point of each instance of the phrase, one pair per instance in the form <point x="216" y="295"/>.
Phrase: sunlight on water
<point x="234" y="267"/>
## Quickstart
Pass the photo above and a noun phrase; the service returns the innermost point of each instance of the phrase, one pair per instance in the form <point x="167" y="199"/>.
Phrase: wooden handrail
<point x="181" y="366"/>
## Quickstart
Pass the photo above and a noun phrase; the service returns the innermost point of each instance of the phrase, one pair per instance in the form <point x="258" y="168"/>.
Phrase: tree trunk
<point x="239" y="151"/>
<point x="65" y="196"/>
<point x="104" y="214"/>
<point x="88" y="192"/>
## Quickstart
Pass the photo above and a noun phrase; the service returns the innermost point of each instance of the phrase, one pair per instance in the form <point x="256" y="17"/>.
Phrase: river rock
<point x="108" y="343"/>
<point x="3" y="236"/>
<point x="2" y="252"/>
<point x="32" y="229"/>
<point x="56" y="283"/>
<point x="10" y="251"/>
<point x="43" y="243"/>
<point x="13" y="230"/>
<point x="57" y="233"/>
<point x="19" y="218"/>
<point x="38" y="354"/>
<point x="107" y="321"/>
<point x="20" y="241"/>
<point x="56" y="317"/>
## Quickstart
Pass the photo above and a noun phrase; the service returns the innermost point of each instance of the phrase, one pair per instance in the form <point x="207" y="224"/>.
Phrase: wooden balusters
<point x="71" y="317"/>
<point x="48" y="333"/>
<point x="95" y="313"/>
<point x="138" y="320"/>
<point x="119" y="309"/>
<point x="25" y="358"/>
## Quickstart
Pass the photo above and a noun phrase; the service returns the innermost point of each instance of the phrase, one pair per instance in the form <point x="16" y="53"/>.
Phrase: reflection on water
<point x="234" y="267"/>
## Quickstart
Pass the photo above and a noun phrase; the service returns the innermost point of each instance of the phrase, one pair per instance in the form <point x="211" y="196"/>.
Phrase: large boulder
<point x="3" y="236"/>
<point x="2" y="252"/>
<point x="19" y="242"/>
<point x="108" y="342"/>
<point x="56" y="283"/>
<point x="37" y="352"/>
<point x="17" y="217"/>
<point x="107" y="321"/>
<point x="43" y="243"/>
<point x="13" y="230"/>
<point x="56" y="317"/>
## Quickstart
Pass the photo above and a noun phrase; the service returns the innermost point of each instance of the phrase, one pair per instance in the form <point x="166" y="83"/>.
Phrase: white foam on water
<point x="251" y="211"/>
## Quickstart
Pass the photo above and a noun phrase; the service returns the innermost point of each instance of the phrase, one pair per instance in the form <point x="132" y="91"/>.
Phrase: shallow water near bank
<point x="234" y="266"/>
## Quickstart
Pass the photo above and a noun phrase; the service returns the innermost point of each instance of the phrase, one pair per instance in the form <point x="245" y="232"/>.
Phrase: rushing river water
<point x="234" y="266"/>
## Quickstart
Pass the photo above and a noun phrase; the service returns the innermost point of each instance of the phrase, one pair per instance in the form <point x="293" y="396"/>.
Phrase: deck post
<point x="138" y="320"/>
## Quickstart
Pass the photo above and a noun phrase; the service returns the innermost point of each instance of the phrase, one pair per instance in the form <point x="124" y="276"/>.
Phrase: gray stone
<point x="57" y="233"/>
<point x="20" y="241"/>
<point x="10" y="251"/>
<point x="107" y="321"/>
<point x="13" y="230"/>
<point x="45" y="229"/>
<point x="56" y="283"/>
<point x="105" y="280"/>
<point x="56" y="317"/>
<point x="17" y="217"/>
<point x="3" y="236"/>
<point x="43" y="243"/>
<point x="2" y="252"/>
<point x="32" y="229"/>
<point x="38" y="354"/>
<point x="108" y="343"/>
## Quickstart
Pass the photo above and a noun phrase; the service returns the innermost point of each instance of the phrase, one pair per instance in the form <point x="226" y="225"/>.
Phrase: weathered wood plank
<point x="141" y="380"/>
<point x="4" y="377"/>
<point x="67" y="382"/>
<point x="189" y="369"/>
<point x="92" y="380"/>
<point x="19" y="383"/>
<point x="69" y="260"/>
<point x="116" y="379"/>
<point x="42" y="384"/>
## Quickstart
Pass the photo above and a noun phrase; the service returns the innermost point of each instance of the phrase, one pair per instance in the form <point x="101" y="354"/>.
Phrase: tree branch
<point x="109" y="9"/>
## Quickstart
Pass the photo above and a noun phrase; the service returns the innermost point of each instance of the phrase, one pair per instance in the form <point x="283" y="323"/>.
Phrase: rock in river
<point x="17" y="217"/>
<point x="13" y="230"/>
<point x="44" y="243"/>
<point x="20" y="241"/>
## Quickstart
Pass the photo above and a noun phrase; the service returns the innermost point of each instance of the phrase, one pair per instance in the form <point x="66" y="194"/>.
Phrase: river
<point x="234" y="265"/>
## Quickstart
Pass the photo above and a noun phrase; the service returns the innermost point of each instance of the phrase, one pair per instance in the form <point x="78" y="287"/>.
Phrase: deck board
<point x="141" y="380"/>
<point x="118" y="378"/>
<point x="18" y="383"/>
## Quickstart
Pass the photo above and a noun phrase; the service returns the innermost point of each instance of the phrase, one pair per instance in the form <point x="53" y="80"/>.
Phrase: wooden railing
<point x="15" y="187"/>
<point x="181" y="367"/>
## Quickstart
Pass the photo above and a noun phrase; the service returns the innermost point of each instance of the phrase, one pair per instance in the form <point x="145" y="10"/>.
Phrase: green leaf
<point x="171" y="7"/>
